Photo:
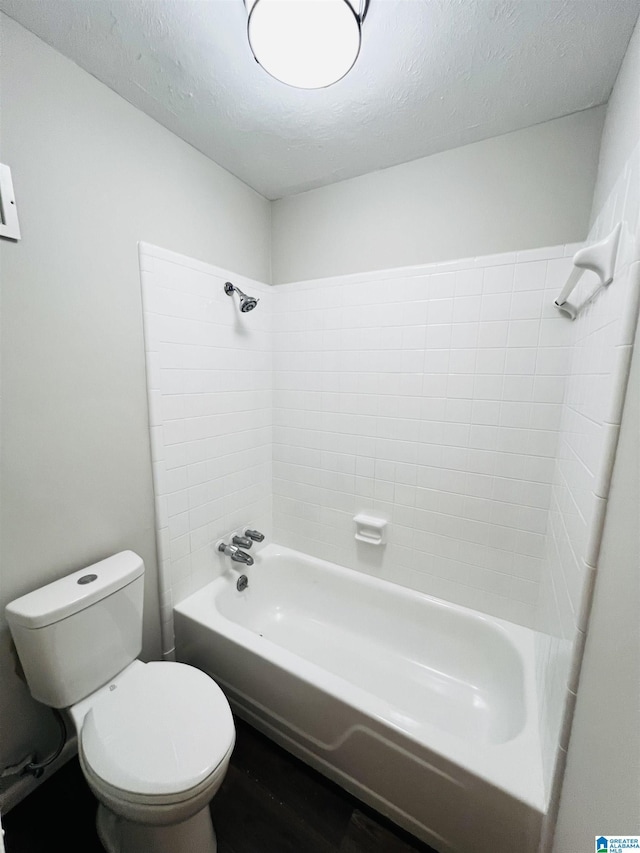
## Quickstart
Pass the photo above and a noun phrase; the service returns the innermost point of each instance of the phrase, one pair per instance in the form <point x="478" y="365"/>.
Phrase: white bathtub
<point x="423" y="709"/>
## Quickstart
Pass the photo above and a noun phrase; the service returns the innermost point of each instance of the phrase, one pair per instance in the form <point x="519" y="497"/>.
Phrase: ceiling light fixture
<point x="309" y="44"/>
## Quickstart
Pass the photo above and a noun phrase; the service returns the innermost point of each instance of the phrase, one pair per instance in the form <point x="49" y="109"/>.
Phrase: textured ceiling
<point x="432" y="75"/>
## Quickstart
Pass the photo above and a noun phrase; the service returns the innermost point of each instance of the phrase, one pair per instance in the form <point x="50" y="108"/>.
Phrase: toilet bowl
<point x="154" y="746"/>
<point x="154" y="739"/>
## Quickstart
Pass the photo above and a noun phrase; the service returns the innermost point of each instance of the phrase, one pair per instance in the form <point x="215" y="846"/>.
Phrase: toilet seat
<point x="155" y="811"/>
<point x="159" y="736"/>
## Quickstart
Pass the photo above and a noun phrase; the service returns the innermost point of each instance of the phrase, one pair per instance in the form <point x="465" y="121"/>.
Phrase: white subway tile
<point x="530" y="275"/>
<point x="468" y="282"/>
<point x="523" y="333"/>
<point x="527" y="305"/>
<point x="497" y="280"/>
<point x="493" y="333"/>
<point x="495" y="306"/>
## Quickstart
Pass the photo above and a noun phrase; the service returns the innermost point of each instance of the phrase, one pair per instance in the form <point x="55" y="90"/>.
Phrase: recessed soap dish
<point x="370" y="529"/>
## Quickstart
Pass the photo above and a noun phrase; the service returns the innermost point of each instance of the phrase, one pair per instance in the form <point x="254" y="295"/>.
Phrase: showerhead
<point x="247" y="303"/>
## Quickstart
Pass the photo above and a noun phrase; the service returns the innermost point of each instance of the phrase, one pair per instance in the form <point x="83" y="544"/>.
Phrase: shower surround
<point x="450" y="399"/>
<point x="431" y="396"/>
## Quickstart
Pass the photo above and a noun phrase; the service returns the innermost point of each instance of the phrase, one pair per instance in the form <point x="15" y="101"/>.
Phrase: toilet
<point x="154" y="739"/>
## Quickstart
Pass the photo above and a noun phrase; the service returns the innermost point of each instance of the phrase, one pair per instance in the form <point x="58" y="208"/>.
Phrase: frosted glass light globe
<point x="309" y="44"/>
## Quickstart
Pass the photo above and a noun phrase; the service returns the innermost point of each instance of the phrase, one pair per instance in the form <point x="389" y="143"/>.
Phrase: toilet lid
<point x="161" y="731"/>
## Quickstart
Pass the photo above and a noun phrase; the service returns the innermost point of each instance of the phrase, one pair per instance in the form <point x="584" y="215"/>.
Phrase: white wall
<point x="523" y="190"/>
<point x="605" y="734"/>
<point x="92" y="176"/>
<point x="621" y="130"/>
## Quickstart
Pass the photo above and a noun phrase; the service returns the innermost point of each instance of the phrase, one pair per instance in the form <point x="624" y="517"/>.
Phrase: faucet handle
<point x="255" y="535"/>
<point x="242" y="541"/>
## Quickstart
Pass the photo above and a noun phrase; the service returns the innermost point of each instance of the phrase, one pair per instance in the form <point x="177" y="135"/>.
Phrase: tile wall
<point x="430" y="397"/>
<point x="601" y="341"/>
<point x="209" y="378"/>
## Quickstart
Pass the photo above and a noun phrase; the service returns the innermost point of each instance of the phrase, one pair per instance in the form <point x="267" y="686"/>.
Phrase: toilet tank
<point x="76" y="633"/>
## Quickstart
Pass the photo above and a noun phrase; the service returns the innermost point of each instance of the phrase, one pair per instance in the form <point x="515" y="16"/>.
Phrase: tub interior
<point x="428" y="662"/>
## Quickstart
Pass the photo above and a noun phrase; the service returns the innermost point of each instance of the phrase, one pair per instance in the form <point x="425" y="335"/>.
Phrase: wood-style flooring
<point x="269" y="803"/>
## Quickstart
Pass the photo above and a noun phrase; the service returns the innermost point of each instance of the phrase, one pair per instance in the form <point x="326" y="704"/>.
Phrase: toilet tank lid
<point x="72" y="593"/>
